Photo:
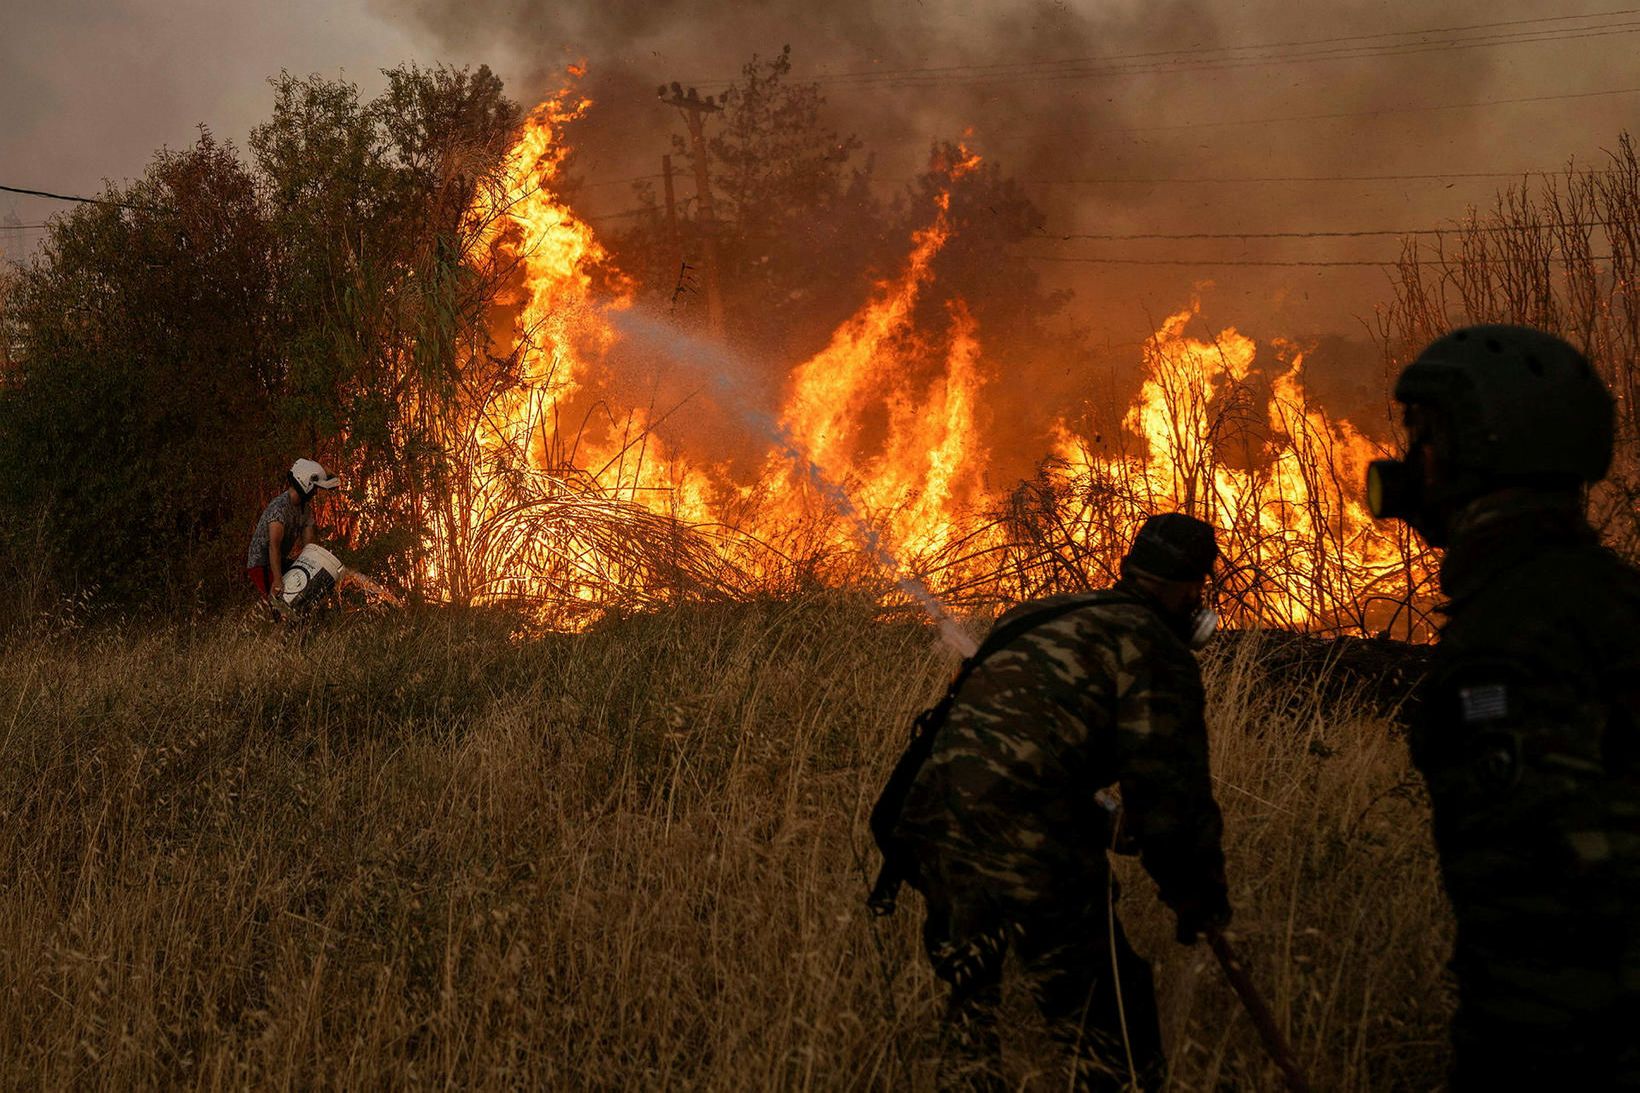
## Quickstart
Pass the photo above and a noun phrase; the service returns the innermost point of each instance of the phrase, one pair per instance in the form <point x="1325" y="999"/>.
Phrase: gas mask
<point x="1196" y="624"/>
<point x="1204" y="622"/>
<point x="1397" y="489"/>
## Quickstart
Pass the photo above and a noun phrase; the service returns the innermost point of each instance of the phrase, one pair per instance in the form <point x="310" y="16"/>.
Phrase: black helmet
<point x="1513" y="405"/>
<point x="1175" y="547"/>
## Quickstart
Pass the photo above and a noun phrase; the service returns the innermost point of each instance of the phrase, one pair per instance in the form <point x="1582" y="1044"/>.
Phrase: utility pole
<point x="671" y="203"/>
<point x="694" y="110"/>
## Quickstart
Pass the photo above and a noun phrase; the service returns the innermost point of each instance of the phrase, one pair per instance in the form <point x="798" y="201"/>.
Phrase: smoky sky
<point x="88" y="90"/>
<point x="1401" y="116"/>
<point x="91" y="89"/>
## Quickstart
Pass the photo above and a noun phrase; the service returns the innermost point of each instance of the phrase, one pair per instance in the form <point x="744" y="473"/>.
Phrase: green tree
<point x="383" y="284"/>
<point x="798" y="225"/>
<point x="134" y="417"/>
<point x="178" y="344"/>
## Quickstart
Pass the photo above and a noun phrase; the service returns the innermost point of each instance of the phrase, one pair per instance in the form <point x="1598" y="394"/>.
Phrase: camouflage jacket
<point x="1527" y="729"/>
<point x="1100" y="696"/>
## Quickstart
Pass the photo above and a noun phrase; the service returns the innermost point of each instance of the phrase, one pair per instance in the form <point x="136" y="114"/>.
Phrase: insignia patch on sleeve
<point x="1488" y="703"/>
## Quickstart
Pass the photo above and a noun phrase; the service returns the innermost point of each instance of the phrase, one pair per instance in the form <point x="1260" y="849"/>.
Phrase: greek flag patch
<point x="1488" y="703"/>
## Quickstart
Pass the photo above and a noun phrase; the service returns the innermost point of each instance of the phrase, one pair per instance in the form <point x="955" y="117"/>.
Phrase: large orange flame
<point x="1301" y="549"/>
<point x="927" y="469"/>
<point x="1300" y="546"/>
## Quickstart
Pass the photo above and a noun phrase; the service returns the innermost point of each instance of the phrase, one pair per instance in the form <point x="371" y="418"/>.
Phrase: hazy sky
<point x="89" y="90"/>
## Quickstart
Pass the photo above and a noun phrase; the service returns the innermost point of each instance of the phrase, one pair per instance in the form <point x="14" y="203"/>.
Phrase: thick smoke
<point x="1186" y="120"/>
<point x="1041" y="126"/>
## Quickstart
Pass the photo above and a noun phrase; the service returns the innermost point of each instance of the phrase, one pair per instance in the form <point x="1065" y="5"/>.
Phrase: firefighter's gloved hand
<point x="1202" y="911"/>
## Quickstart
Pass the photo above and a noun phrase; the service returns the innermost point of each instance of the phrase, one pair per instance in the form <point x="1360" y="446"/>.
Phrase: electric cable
<point x="1362" y="234"/>
<point x="1239" y="179"/>
<point x="1274" y="60"/>
<point x="1238" y="263"/>
<point x="1027" y="65"/>
<point x="84" y="200"/>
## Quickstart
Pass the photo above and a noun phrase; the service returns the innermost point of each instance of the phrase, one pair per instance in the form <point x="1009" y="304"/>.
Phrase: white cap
<point x="310" y="476"/>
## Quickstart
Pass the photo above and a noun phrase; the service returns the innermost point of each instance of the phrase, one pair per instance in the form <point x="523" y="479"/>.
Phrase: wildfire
<point x="546" y="507"/>
<point x="562" y="331"/>
<point x="928" y="468"/>
<point x="1300" y="547"/>
<point x="570" y="507"/>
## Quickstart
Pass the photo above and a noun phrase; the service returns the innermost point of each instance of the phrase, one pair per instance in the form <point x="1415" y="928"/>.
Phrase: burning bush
<point x="880" y="449"/>
<point x="406" y="290"/>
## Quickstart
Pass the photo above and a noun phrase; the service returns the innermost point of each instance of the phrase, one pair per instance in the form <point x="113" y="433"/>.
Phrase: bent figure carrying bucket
<point x="286" y="530"/>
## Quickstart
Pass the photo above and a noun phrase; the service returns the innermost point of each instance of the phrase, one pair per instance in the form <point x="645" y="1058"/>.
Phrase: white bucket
<point x="310" y="577"/>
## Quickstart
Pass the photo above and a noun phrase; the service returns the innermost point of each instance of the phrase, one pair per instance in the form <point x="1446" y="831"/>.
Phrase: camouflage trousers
<point x="1546" y="1004"/>
<point x="1064" y="947"/>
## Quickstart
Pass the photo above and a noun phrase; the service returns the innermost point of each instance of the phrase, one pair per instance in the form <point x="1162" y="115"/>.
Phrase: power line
<point x="1226" y="180"/>
<point x="1028" y="64"/>
<point x="85" y="200"/>
<point x="1274" y="60"/>
<point x="624" y="212"/>
<point x="1217" y="179"/>
<point x="1362" y="234"/>
<point x="155" y="208"/>
<point x="1285" y="119"/>
<point x="1119" y="181"/>
<point x="1337" y="115"/>
<point x="1409" y="49"/>
<point x="1237" y="262"/>
<point x="615" y="181"/>
<point x="1233" y="179"/>
<point x="1234" y="262"/>
<point x="1419" y="109"/>
<point x="1150" y="181"/>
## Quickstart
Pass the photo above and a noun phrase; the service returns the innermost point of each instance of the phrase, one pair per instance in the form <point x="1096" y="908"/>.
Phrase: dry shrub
<point x="1560" y="254"/>
<point x="417" y="851"/>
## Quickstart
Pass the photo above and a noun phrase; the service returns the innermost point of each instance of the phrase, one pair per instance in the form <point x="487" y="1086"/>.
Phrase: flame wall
<point x="1207" y="433"/>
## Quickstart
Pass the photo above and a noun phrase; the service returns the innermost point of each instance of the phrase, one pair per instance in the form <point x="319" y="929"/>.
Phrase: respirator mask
<point x="1197" y="624"/>
<point x="1395" y="489"/>
<point x="1398" y="489"/>
<point x="1203" y="624"/>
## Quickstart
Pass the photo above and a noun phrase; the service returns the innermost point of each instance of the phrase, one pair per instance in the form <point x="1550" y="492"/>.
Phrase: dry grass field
<point x="414" y="851"/>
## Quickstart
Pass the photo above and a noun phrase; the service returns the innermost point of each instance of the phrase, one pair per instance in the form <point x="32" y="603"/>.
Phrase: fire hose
<point x="1275" y="1044"/>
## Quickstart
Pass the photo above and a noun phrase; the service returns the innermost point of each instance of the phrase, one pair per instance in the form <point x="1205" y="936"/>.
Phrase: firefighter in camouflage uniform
<point x="1010" y="841"/>
<point x="1527" y="729"/>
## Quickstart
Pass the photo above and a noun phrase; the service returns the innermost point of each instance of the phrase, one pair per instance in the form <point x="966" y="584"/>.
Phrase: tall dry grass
<point x="415" y="851"/>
